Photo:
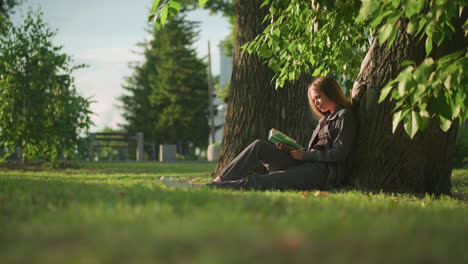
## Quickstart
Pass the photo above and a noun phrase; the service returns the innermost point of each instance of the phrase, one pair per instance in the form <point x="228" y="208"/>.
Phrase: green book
<point x="277" y="137"/>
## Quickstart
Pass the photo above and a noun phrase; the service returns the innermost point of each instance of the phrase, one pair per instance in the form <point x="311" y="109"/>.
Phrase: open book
<point x="277" y="137"/>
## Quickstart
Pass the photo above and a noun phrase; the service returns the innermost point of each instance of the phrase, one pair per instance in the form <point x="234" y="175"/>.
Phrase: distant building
<point x="225" y="66"/>
<point x="224" y="78"/>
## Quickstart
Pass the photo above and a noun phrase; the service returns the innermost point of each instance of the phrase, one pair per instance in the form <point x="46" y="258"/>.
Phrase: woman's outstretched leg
<point x="306" y="176"/>
<point x="258" y="152"/>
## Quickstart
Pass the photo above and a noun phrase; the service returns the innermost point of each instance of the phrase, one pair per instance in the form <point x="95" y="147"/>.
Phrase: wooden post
<point x="140" y="146"/>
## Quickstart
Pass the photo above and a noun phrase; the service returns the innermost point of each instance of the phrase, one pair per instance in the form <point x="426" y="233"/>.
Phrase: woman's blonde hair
<point x="331" y="89"/>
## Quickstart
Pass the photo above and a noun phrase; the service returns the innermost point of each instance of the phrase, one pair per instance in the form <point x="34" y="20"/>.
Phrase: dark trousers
<point x="285" y="173"/>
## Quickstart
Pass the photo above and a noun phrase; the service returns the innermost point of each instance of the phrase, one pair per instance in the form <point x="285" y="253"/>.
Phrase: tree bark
<point x="254" y="105"/>
<point x="394" y="162"/>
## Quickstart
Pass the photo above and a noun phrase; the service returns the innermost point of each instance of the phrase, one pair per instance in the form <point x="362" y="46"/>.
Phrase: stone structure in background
<point x="213" y="152"/>
<point x="167" y="152"/>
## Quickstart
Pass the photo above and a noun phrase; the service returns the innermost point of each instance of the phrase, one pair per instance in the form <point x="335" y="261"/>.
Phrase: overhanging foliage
<point x="322" y="37"/>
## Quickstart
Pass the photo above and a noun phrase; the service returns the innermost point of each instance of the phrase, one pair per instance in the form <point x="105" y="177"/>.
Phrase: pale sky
<point x="103" y="34"/>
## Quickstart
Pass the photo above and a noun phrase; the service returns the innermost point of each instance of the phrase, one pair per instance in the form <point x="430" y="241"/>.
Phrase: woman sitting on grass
<point x="321" y="166"/>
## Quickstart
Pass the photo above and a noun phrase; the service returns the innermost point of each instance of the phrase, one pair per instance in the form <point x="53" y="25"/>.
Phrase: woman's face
<point x="323" y="103"/>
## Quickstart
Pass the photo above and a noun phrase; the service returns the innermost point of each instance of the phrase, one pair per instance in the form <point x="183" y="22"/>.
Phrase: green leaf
<point x="157" y="25"/>
<point x="393" y="18"/>
<point x="397" y="117"/>
<point x="164" y="15"/>
<point x="385" y="91"/>
<point x="420" y="89"/>
<point x="440" y="106"/>
<point x="276" y="32"/>
<point x="396" y="120"/>
<point x="151" y="18"/>
<point x="412" y="26"/>
<point x="176" y="5"/>
<point x="154" y="7"/>
<point x="274" y="65"/>
<point x="407" y="124"/>
<point x="266" y="2"/>
<point x="422" y="73"/>
<point x="385" y="32"/>
<point x="413" y="7"/>
<point x="378" y="19"/>
<point x="438" y="37"/>
<point x="445" y="124"/>
<point x="428" y="46"/>
<point x="448" y="82"/>
<point x="392" y="37"/>
<point x="422" y="24"/>
<point x="317" y="72"/>
<point x="367" y="9"/>
<point x="248" y="47"/>
<point x="403" y="86"/>
<point x="202" y="2"/>
<point x="461" y="101"/>
<point x="452" y="56"/>
<point x="407" y="62"/>
<point x="415" y="121"/>
<point x="456" y="111"/>
<point x="411" y="124"/>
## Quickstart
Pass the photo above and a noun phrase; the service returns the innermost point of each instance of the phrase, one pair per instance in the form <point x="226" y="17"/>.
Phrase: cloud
<point x="103" y="80"/>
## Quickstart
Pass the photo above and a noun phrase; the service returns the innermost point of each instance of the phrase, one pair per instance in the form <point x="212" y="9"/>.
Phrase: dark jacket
<point x="340" y="131"/>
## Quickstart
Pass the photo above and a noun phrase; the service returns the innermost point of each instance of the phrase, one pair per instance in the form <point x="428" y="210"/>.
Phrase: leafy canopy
<point x="323" y="37"/>
<point x="40" y="109"/>
<point x="161" y="10"/>
<point x="6" y="6"/>
<point x="437" y="86"/>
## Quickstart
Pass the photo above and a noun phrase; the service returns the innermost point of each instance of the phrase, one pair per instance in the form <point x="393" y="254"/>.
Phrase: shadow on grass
<point x="38" y="165"/>
<point x="22" y="198"/>
<point x="73" y="167"/>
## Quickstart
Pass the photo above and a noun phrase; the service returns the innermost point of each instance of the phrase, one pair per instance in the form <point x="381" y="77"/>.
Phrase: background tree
<point x="6" y="6"/>
<point x="41" y="111"/>
<point x="168" y="97"/>
<point x="137" y="108"/>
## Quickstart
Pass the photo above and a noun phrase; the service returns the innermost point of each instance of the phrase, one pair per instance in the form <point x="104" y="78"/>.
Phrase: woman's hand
<point x="297" y="154"/>
<point x="285" y="147"/>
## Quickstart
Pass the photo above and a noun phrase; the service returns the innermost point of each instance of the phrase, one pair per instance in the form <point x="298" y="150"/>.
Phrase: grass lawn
<point x="120" y="213"/>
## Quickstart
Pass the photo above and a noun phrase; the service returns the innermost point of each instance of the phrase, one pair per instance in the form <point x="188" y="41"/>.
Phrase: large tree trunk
<point x="394" y="162"/>
<point x="254" y="105"/>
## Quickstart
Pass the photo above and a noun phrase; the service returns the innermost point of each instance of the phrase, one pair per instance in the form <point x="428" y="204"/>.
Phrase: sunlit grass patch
<point x="121" y="213"/>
